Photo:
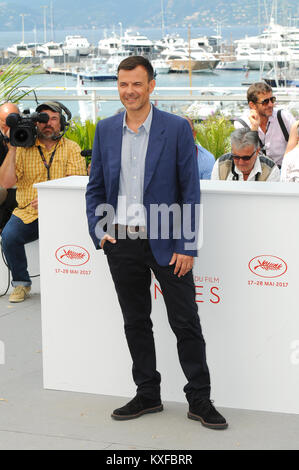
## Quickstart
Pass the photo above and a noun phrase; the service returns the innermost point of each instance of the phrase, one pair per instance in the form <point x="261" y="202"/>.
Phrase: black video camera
<point x="3" y="139"/>
<point x="23" y="130"/>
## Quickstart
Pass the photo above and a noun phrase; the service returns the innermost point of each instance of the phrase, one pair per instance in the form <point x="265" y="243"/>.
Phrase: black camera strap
<point x="47" y="165"/>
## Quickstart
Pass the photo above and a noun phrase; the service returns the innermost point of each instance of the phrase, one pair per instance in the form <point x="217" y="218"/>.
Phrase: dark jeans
<point x="131" y="262"/>
<point x="15" y="235"/>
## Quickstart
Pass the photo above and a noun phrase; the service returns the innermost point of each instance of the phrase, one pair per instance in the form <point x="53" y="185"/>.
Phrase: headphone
<point x="64" y="119"/>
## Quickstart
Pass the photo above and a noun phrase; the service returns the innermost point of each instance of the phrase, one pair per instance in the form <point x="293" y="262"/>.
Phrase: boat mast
<point x="162" y="19"/>
<point x="259" y="16"/>
<point x="266" y="12"/>
<point x="23" y="29"/>
<point x="274" y="11"/>
<point x="45" y="22"/>
<point x="52" y="20"/>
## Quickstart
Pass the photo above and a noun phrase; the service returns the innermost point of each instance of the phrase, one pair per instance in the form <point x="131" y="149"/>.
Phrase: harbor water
<point x="215" y="79"/>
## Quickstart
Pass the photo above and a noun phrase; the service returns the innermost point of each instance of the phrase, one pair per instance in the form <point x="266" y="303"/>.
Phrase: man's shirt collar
<point x="38" y="143"/>
<point x="146" y="125"/>
<point x="255" y="170"/>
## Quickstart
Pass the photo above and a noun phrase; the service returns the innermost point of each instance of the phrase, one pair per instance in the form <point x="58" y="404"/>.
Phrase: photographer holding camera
<point x="7" y="196"/>
<point x="37" y="152"/>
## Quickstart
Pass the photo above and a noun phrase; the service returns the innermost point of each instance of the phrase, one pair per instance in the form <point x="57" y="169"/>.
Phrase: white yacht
<point x="76" y="45"/>
<point x="20" y="50"/>
<point x="202" y="43"/>
<point x="95" y="72"/>
<point x="116" y="57"/>
<point x="257" y="58"/>
<point x="160" y="66"/>
<point x="275" y="36"/>
<point x="170" y="42"/>
<point x="108" y="46"/>
<point x="199" y="60"/>
<point x="137" y="43"/>
<point x="232" y="65"/>
<point x="294" y="55"/>
<point x="50" y="49"/>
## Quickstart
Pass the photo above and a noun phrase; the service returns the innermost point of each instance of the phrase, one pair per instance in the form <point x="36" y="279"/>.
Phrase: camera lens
<point x="21" y="136"/>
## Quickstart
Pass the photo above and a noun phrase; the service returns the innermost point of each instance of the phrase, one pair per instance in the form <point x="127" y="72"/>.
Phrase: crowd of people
<point x="149" y="157"/>
<point x="264" y="145"/>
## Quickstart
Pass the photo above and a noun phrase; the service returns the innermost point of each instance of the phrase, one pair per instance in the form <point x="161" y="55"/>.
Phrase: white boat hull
<point x="182" y="65"/>
<point x="232" y="65"/>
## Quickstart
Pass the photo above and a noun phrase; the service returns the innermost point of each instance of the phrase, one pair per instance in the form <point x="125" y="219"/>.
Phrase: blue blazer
<point x="171" y="177"/>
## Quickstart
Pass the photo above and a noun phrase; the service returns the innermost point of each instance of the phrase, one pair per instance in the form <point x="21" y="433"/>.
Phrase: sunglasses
<point x="245" y="158"/>
<point x="267" y="100"/>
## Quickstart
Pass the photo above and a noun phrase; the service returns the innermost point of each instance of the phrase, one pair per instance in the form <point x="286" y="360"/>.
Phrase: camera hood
<point x="12" y="119"/>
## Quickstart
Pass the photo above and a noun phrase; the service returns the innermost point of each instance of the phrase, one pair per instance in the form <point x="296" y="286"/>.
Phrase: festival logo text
<point x="268" y="266"/>
<point x="72" y="255"/>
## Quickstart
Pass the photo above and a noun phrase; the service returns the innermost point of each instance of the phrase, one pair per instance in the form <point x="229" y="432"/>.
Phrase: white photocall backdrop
<point x="246" y="279"/>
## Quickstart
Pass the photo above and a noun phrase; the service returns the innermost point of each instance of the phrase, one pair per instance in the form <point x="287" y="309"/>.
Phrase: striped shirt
<point x="30" y="170"/>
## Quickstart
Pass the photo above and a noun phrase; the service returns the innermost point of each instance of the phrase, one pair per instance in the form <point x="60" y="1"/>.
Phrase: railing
<point x="172" y="94"/>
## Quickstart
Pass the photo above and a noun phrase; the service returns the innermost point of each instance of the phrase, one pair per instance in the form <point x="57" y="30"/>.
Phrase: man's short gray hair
<point x="242" y="138"/>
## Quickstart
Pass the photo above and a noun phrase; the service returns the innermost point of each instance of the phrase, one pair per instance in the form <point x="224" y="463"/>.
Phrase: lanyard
<point x="47" y="165"/>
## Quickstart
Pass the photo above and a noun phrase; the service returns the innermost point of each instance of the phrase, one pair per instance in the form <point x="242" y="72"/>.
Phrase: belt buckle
<point x="131" y="229"/>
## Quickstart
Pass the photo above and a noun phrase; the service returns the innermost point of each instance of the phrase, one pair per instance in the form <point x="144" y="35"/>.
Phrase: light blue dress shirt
<point x="130" y="210"/>
<point x="206" y="161"/>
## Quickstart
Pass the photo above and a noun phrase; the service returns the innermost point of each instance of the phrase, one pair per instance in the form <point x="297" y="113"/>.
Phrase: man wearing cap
<point x="51" y="157"/>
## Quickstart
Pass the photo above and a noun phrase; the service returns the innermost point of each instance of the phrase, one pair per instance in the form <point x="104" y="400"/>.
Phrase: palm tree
<point x="11" y="79"/>
<point x="214" y="134"/>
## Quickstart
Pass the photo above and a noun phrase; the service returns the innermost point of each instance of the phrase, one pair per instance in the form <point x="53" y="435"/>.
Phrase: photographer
<point x="7" y="196"/>
<point x="52" y="156"/>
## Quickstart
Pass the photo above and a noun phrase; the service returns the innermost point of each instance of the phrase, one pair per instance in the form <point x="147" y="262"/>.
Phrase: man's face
<point x="263" y="109"/>
<point x="134" y="88"/>
<point x="245" y="166"/>
<point x="51" y="128"/>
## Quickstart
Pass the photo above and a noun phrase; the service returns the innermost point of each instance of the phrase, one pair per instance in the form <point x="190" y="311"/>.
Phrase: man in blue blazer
<point x="142" y="207"/>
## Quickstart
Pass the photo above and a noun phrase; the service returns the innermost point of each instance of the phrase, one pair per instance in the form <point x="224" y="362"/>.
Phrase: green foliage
<point x="12" y="78"/>
<point x="83" y="134"/>
<point x="214" y="134"/>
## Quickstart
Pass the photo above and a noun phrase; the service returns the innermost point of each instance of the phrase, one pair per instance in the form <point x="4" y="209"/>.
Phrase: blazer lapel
<point x="114" y="160"/>
<point x="155" y="146"/>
